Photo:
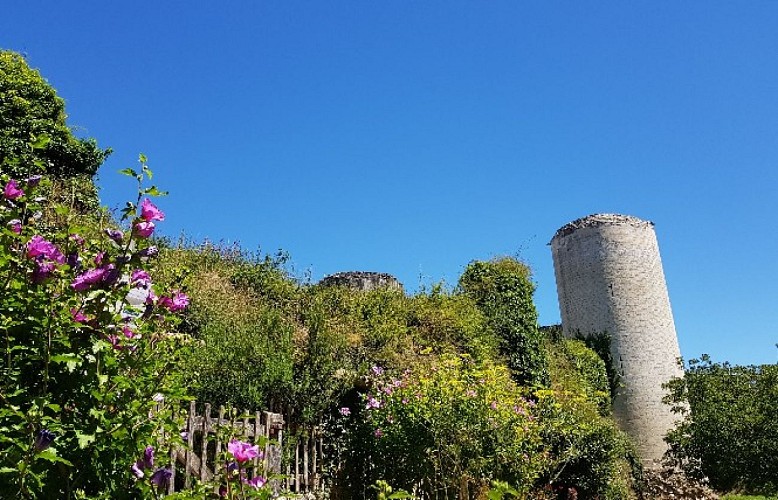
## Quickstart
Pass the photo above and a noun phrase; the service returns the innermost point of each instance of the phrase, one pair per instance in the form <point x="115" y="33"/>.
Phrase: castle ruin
<point x="610" y="280"/>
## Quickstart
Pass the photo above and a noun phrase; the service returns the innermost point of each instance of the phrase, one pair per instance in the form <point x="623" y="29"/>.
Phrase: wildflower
<point x="470" y="393"/>
<point x="149" y="212"/>
<point x="151" y="251"/>
<point x="43" y="271"/>
<point x="114" y="341"/>
<point x="158" y="397"/>
<point x="77" y="239"/>
<point x="33" y="180"/>
<point x="243" y="452"/>
<point x="256" y="482"/>
<point x="40" y="247"/>
<point x="378" y="433"/>
<point x="143" y="229"/>
<point x="115" y="235"/>
<point x="372" y="403"/>
<point x="405" y="401"/>
<point x="494" y="405"/>
<point x="345" y="411"/>
<point x="140" y="278"/>
<point x="12" y="191"/>
<point x="137" y="470"/>
<point x="78" y="316"/>
<point x="15" y="226"/>
<point x="99" y="258"/>
<point x="129" y="333"/>
<point x="43" y="439"/>
<point x="377" y="371"/>
<point x="148" y="457"/>
<point x="161" y="478"/>
<point x="88" y="279"/>
<point x="178" y="302"/>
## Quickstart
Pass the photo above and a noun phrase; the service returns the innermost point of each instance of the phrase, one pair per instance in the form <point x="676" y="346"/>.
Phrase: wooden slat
<point x="190" y="429"/>
<point x="206" y="429"/>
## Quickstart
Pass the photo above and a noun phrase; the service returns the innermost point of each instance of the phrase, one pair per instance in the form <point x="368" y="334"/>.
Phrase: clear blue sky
<point x="412" y="137"/>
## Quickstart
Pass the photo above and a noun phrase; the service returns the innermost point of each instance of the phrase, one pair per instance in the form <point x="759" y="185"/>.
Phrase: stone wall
<point x="610" y="279"/>
<point x="361" y="280"/>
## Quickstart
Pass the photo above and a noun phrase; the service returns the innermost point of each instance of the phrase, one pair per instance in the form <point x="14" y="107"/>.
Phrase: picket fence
<point x="300" y="470"/>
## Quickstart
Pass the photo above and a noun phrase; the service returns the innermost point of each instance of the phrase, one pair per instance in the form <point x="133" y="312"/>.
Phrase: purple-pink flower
<point x="378" y="433"/>
<point x="15" y="226"/>
<point x="88" y="279"/>
<point x="78" y="316"/>
<point x="178" y="302"/>
<point x="12" y="191"/>
<point x="40" y="247"/>
<point x="243" y="452"/>
<point x="140" y="278"/>
<point x="372" y="403"/>
<point x="161" y="477"/>
<point x="115" y="235"/>
<point x="150" y="212"/>
<point x="255" y="482"/>
<point x="345" y="411"/>
<point x="143" y="229"/>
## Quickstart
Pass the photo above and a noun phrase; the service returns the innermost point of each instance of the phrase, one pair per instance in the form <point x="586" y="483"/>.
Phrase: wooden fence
<point x="300" y="469"/>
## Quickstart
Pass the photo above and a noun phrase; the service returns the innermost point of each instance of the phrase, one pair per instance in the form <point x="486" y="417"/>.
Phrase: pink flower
<point x="39" y="247"/>
<point x="77" y="239"/>
<point x="345" y="411"/>
<point x="143" y="229"/>
<point x="78" y="316"/>
<point x="378" y="433"/>
<point x="470" y="393"/>
<point x="129" y="333"/>
<point x="12" y="191"/>
<point x="149" y="211"/>
<point x="15" y="226"/>
<point x="88" y="279"/>
<point x="256" y="482"/>
<point x="377" y="370"/>
<point x="494" y="405"/>
<point x="243" y="452"/>
<point x="372" y="403"/>
<point x="43" y="271"/>
<point x="178" y="302"/>
<point x="99" y="258"/>
<point x="140" y="278"/>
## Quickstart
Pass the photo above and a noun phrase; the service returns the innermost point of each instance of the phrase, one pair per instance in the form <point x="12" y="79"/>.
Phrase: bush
<point x="503" y="290"/>
<point x="729" y="432"/>
<point x="83" y="367"/>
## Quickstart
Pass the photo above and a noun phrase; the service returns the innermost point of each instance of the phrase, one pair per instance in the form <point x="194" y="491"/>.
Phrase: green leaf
<point x="7" y="470"/>
<point x="129" y="171"/>
<point x="154" y="191"/>
<point x="40" y="142"/>
<point x="147" y="171"/>
<point x="50" y="455"/>
<point x="142" y="158"/>
<point x="84" y="439"/>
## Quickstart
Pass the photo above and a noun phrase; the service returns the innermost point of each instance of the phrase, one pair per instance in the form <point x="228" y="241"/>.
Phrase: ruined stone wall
<point x="360" y="280"/>
<point x="610" y="279"/>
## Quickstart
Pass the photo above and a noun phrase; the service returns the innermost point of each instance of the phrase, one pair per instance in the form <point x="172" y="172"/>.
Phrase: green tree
<point x="503" y="290"/>
<point x="729" y="432"/>
<point x="31" y="110"/>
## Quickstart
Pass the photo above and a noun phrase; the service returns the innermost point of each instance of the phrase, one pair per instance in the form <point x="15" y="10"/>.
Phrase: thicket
<point x="729" y="431"/>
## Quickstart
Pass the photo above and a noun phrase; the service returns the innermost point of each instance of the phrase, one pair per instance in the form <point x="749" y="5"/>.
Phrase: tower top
<point x="596" y="220"/>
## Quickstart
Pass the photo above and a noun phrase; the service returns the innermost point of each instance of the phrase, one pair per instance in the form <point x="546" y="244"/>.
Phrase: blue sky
<point x="412" y="137"/>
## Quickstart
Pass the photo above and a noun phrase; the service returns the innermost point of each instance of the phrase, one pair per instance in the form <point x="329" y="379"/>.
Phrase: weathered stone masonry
<point x="609" y="279"/>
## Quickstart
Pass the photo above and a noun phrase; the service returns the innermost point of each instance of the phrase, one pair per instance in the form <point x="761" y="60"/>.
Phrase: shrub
<point x="729" y="432"/>
<point x="83" y="366"/>
<point x="503" y="290"/>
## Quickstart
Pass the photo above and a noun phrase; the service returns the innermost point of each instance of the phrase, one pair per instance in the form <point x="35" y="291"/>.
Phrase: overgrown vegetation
<point x="444" y="393"/>
<point x="729" y="432"/>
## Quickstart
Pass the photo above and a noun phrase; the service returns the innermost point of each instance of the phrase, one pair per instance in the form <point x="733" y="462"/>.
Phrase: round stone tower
<point x="610" y="280"/>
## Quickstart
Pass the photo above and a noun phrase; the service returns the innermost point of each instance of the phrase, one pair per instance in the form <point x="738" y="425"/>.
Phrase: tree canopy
<point x="32" y="112"/>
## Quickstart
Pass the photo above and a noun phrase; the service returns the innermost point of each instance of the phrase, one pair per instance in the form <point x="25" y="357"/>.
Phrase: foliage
<point x="573" y="365"/>
<point x="83" y="369"/>
<point x="31" y="109"/>
<point x="452" y="427"/>
<point x="729" y="432"/>
<point x="502" y="288"/>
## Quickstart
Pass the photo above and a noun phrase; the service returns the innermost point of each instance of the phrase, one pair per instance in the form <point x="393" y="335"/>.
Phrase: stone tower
<point x="609" y="279"/>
